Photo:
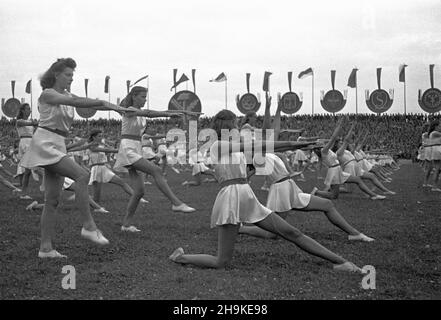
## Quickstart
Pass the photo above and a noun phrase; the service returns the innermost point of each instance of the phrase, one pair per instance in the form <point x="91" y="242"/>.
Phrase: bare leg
<point x="7" y="183"/>
<point x="147" y="167"/>
<point x="226" y="238"/>
<point x="375" y="181"/>
<point x="120" y="182"/>
<point x="276" y="224"/>
<point x="96" y="191"/>
<point x="363" y="187"/>
<point x="328" y="208"/>
<point x="53" y="184"/>
<point x="25" y="181"/>
<point x="428" y="170"/>
<point x="138" y="192"/>
<point x="332" y="194"/>
<point x="69" y="168"/>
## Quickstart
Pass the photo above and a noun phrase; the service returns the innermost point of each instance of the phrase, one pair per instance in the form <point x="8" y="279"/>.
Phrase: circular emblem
<point x="431" y="100"/>
<point x="290" y="103"/>
<point x="248" y="102"/>
<point x="185" y="100"/>
<point x="11" y="107"/>
<point x="379" y="101"/>
<point x="85" y="112"/>
<point x="333" y="101"/>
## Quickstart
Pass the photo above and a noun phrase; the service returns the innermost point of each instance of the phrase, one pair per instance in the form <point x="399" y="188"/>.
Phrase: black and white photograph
<point x="219" y="157"/>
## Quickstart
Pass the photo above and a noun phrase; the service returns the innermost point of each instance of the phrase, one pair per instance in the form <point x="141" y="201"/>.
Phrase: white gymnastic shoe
<point x="390" y="193"/>
<point x="25" y="197"/>
<point x="94" y="236"/>
<point x="360" y="237"/>
<point x="378" y="197"/>
<point x="176" y="254"/>
<point x="175" y="170"/>
<point x="183" y="208"/>
<point x="130" y="229"/>
<point x="32" y="206"/>
<point x="348" y="267"/>
<point x="16" y="191"/>
<point x="143" y="201"/>
<point x="101" y="210"/>
<point x="51" y="254"/>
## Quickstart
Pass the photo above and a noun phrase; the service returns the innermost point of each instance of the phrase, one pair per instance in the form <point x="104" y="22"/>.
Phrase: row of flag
<point x="352" y="80"/>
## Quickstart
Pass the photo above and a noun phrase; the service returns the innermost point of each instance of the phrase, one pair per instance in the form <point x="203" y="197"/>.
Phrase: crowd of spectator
<point x="397" y="133"/>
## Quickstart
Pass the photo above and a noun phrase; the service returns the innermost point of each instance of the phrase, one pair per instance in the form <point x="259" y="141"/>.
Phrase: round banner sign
<point x="379" y="101"/>
<point x="431" y="100"/>
<point x="85" y="112"/>
<point x="185" y="100"/>
<point x="333" y="101"/>
<point x="290" y="103"/>
<point x="248" y="102"/>
<point x="11" y="107"/>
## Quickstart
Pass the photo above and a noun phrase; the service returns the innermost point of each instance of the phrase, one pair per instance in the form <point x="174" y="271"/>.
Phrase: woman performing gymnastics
<point x="236" y="203"/>
<point x="48" y="150"/>
<point x="335" y="176"/>
<point x="130" y="157"/>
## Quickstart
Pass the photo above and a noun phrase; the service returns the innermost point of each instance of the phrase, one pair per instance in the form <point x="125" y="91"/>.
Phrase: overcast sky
<point x="129" y="39"/>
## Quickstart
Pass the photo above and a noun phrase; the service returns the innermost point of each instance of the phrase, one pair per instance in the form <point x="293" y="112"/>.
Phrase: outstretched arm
<point x="346" y="140"/>
<point x="334" y="136"/>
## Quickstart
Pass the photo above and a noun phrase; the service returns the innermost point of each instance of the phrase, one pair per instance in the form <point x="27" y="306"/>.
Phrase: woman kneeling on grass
<point x="236" y="203"/>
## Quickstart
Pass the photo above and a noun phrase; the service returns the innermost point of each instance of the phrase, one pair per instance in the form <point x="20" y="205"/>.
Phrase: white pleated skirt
<point x="428" y="153"/>
<point x="286" y="195"/>
<point x="128" y="153"/>
<point x="46" y="148"/>
<point x="350" y="168"/>
<point x="300" y="156"/>
<point x="365" y="165"/>
<point x="100" y="174"/>
<point x="436" y="153"/>
<point x="236" y="204"/>
<point x="336" y="175"/>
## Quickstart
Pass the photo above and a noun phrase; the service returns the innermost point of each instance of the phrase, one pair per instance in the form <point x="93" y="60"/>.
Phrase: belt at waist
<point x="283" y="179"/>
<point x="131" y="137"/>
<point x="233" y="181"/>
<point x="335" y="165"/>
<point x="98" y="164"/>
<point x="57" y="131"/>
<point x="432" y="145"/>
<point x="347" y="162"/>
<point x="25" y="137"/>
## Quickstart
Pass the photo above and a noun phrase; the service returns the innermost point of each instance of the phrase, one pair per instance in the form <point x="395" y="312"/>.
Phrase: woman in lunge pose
<point x="236" y="204"/>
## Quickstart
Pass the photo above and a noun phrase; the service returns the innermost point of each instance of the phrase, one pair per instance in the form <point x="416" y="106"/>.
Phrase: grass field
<point x="406" y="253"/>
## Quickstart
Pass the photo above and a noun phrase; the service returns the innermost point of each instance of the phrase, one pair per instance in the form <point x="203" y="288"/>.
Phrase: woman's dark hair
<point x="433" y="125"/>
<point x="47" y="80"/>
<point x="93" y="134"/>
<point x="223" y="120"/>
<point x="20" y="114"/>
<point x="128" y="100"/>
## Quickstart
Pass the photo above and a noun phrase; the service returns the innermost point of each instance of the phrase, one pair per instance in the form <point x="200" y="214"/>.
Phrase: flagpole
<point x="226" y="100"/>
<point x="404" y="97"/>
<point x="356" y="98"/>
<point x="109" y="102"/>
<point x="313" y="93"/>
<point x="31" y="101"/>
